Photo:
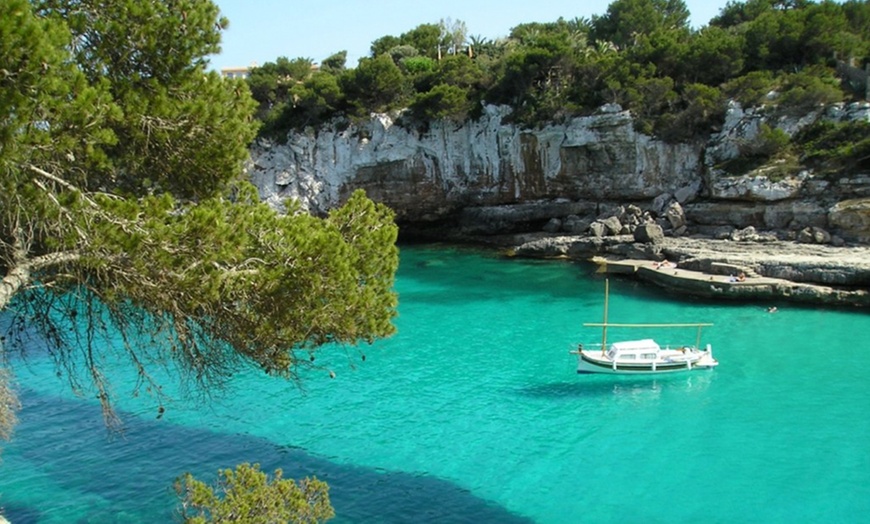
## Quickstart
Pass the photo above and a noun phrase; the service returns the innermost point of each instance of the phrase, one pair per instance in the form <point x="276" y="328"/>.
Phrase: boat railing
<point x="662" y="347"/>
<point x="605" y="325"/>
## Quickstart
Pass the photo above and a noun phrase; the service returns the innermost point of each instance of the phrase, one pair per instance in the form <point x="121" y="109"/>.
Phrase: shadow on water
<point x="133" y="473"/>
<point x="20" y="514"/>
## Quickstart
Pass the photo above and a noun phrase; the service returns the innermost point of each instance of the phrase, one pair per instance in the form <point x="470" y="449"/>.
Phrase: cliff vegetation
<point x="789" y="56"/>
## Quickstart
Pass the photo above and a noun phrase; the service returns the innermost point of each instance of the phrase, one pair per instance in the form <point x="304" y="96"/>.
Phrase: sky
<point x="260" y="31"/>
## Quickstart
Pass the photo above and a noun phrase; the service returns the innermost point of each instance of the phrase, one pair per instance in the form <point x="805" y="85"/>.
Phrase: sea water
<point x="473" y="412"/>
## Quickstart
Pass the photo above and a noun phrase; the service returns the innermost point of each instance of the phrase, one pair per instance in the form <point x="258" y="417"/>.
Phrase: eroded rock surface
<point x="590" y="186"/>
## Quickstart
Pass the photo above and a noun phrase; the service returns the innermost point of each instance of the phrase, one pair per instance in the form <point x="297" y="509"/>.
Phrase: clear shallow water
<point x="473" y="412"/>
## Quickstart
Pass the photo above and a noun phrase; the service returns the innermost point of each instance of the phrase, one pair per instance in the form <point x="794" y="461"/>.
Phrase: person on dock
<point x="663" y="264"/>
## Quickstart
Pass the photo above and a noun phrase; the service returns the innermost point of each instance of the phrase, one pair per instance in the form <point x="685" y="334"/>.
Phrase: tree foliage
<point x="425" y="38"/>
<point x="125" y="226"/>
<point x="334" y="64"/>
<point x="377" y="84"/>
<point x="641" y="54"/>
<point x="172" y="122"/>
<point x="248" y="495"/>
<point x="453" y="35"/>
<point x="628" y="20"/>
<point x="441" y="102"/>
<point x="810" y="88"/>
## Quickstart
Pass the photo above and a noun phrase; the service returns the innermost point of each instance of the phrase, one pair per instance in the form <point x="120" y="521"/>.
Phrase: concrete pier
<point x="671" y="276"/>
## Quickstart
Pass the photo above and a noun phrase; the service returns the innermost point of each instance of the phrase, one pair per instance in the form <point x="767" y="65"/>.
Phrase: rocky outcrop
<point x="815" y="264"/>
<point x="779" y="269"/>
<point x="490" y="177"/>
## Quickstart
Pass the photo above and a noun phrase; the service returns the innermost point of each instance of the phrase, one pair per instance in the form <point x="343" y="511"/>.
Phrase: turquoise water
<point x="473" y="412"/>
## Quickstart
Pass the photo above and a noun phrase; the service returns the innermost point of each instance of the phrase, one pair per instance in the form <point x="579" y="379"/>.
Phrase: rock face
<point x="491" y="177"/>
<point x="434" y="175"/>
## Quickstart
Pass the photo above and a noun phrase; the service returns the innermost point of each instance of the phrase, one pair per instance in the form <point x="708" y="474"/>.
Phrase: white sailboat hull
<point x="645" y="361"/>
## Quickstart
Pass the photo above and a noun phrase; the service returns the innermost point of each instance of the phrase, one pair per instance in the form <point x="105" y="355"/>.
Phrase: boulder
<point x="814" y="235"/>
<point x="632" y="215"/>
<point x="572" y="224"/>
<point x="688" y="193"/>
<point x="749" y="234"/>
<point x="613" y="225"/>
<point x="852" y="218"/>
<point x="660" y="203"/>
<point x="607" y="210"/>
<point x="675" y="215"/>
<point x="597" y="229"/>
<point x="553" y="225"/>
<point x="718" y="232"/>
<point x="649" y="233"/>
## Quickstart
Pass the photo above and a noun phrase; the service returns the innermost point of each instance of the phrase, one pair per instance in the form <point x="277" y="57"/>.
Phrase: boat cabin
<point x="639" y="350"/>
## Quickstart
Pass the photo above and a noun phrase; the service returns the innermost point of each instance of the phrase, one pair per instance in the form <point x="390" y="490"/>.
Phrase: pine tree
<point x="123" y="210"/>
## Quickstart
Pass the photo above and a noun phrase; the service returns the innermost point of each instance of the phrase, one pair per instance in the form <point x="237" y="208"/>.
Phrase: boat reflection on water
<point x="640" y="387"/>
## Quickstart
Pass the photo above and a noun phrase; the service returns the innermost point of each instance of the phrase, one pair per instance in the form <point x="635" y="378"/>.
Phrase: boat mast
<point x="604" y="325"/>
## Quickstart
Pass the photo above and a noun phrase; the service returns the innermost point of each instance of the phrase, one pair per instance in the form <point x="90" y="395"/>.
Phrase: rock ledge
<point x="775" y="270"/>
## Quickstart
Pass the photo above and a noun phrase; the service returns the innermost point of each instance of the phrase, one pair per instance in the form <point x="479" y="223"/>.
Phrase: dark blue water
<point x="473" y="412"/>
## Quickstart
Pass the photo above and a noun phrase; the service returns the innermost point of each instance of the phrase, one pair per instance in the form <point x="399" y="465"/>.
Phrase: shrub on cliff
<point x="700" y="111"/>
<point x="769" y="142"/>
<point x="837" y="148"/>
<point x="751" y="89"/>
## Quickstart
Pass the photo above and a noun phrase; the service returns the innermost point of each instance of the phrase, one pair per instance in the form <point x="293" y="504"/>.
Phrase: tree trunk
<point x="17" y="278"/>
<point x="20" y="275"/>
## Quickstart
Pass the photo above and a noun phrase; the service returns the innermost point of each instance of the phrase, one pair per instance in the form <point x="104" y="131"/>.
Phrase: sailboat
<point x="642" y="356"/>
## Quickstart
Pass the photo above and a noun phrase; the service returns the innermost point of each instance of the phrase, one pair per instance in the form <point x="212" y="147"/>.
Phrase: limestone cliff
<point x="488" y="176"/>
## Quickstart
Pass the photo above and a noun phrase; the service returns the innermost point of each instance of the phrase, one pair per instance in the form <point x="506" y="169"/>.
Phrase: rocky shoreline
<point x="775" y="270"/>
<point x="809" y="265"/>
